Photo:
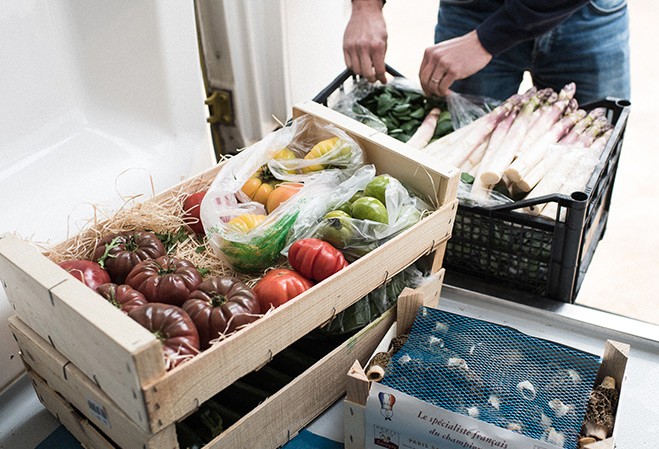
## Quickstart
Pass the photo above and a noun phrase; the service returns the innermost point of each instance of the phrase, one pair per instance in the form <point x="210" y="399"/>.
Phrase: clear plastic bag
<point x="347" y="103"/>
<point x="399" y="107"/>
<point x="251" y="243"/>
<point x="355" y="237"/>
<point x="465" y="109"/>
<point x="475" y="195"/>
<point x="371" y="306"/>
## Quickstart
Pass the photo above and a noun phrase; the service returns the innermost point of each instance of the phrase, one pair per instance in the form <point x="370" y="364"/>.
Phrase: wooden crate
<point x="91" y="415"/>
<point x="614" y="363"/>
<point x="125" y="360"/>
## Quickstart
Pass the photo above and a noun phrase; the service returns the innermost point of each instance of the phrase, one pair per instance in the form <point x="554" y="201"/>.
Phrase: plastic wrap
<point x="371" y="306"/>
<point x="476" y="195"/>
<point x="355" y="237"/>
<point x="399" y="107"/>
<point x="260" y="247"/>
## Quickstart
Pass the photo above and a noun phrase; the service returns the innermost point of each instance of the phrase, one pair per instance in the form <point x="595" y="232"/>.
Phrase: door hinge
<point x="220" y="106"/>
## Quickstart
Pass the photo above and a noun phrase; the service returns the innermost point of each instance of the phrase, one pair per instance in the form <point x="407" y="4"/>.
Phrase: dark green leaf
<point x="467" y="178"/>
<point x="418" y="113"/>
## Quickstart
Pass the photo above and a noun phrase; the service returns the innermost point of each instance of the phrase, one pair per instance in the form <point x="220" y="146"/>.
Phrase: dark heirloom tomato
<point x="315" y="259"/>
<point x="119" y="253"/>
<point x="279" y="286"/>
<point x="123" y="296"/>
<point x="173" y="327"/>
<point x="165" y="280"/>
<point x="219" y="306"/>
<point x="89" y="273"/>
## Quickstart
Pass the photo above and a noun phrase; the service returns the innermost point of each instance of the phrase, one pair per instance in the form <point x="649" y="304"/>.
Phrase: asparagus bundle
<point x="537" y="143"/>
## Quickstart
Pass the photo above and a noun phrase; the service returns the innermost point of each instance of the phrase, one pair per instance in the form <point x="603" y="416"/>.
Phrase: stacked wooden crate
<point x="103" y="375"/>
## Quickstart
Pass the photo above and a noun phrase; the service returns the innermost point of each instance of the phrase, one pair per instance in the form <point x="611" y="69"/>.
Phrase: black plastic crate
<point x="513" y="255"/>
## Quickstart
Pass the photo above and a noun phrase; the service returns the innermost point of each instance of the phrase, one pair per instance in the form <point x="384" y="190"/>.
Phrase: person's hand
<point x="451" y="60"/>
<point x="365" y="40"/>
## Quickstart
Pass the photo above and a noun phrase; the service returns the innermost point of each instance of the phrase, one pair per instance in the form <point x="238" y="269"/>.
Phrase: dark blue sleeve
<point x="520" y="20"/>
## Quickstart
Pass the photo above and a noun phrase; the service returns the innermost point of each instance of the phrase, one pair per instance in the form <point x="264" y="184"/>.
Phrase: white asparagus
<point x="534" y="154"/>
<point x="440" y="145"/>
<point x="451" y="159"/>
<point x="595" y="129"/>
<point x="576" y="179"/>
<point x="537" y="123"/>
<point x="553" y="182"/>
<point x="555" y="106"/>
<point x="426" y="130"/>
<point x="467" y="166"/>
<point x="476" y="156"/>
<point x="513" y="139"/>
<point x="600" y="143"/>
<point x="472" y="140"/>
<point x="581" y="126"/>
<point x="496" y="139"/>
<point x="582" y="170"/>
<point x="528" y="182"/>
<point x="474" y="170"/>
<point x="480" y="192"/>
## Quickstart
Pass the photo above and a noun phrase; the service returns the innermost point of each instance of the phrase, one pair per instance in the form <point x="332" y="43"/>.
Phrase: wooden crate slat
<point x="70" y="418"/>
<point x="282" y="415"/>
<point x="81" y="325"/>
<point x="126" y="361"/>
<point x="424" y="173"/>
<point x="192" y="383"/>
<point x="65" y="378"/>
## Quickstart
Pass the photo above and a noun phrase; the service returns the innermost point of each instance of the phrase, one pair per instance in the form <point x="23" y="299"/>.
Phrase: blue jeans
<point x="591" y="48"/>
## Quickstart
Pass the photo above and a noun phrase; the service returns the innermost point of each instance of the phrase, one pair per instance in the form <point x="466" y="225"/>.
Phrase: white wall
<point x="99" y="99"/>
<point x="313" y="38"/>
<point x="271" y="55"/>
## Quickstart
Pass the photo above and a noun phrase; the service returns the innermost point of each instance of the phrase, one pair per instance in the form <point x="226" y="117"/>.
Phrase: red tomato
<point x="279" y="286"/>
<point x="191" y="206"/>
<point x="315" y="259"/>
<point x="89" y="273"/>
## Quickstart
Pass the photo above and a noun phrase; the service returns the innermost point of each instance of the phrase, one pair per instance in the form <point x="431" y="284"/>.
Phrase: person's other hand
<point x="451" y="60"/>
<point x="365" y="40"/>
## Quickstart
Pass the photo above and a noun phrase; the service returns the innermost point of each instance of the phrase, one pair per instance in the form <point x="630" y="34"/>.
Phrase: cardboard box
<point x="125" y="361"/>
<point x="378" y="416"/>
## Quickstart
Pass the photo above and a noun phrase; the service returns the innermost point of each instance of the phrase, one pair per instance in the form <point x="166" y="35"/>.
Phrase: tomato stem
<point x="109" y="247"/>
<point x="217" y="299"/>
<point x="159" y="335"/>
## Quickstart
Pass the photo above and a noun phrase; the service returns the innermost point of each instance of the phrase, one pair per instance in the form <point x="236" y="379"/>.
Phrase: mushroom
<point x="586" y="440"/>
<point x="526" y="389"/>
<point x="559" y="408"/>
<point x="397" y="343"/>
<point x="380" y="361"/>
<point x="375" y="370"/>
<point x="602" y="403"/>
<point x="554" y="437"/>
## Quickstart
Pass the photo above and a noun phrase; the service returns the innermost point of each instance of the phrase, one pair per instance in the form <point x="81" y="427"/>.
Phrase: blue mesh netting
<point x="496" y="374"/>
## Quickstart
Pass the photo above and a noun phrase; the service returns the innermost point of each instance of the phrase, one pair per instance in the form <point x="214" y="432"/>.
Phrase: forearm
<point x="365" y="40"/>
<point x="520" y="20"/>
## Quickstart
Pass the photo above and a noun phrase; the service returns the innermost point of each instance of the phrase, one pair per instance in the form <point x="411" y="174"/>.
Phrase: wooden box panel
<point x="62" y="386"/>
<point x="125" y="360"/>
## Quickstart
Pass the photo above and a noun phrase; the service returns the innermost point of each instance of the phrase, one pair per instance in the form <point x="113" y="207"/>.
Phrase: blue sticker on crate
<point x="496" y="374"/>
<point x="98" y="411"/>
